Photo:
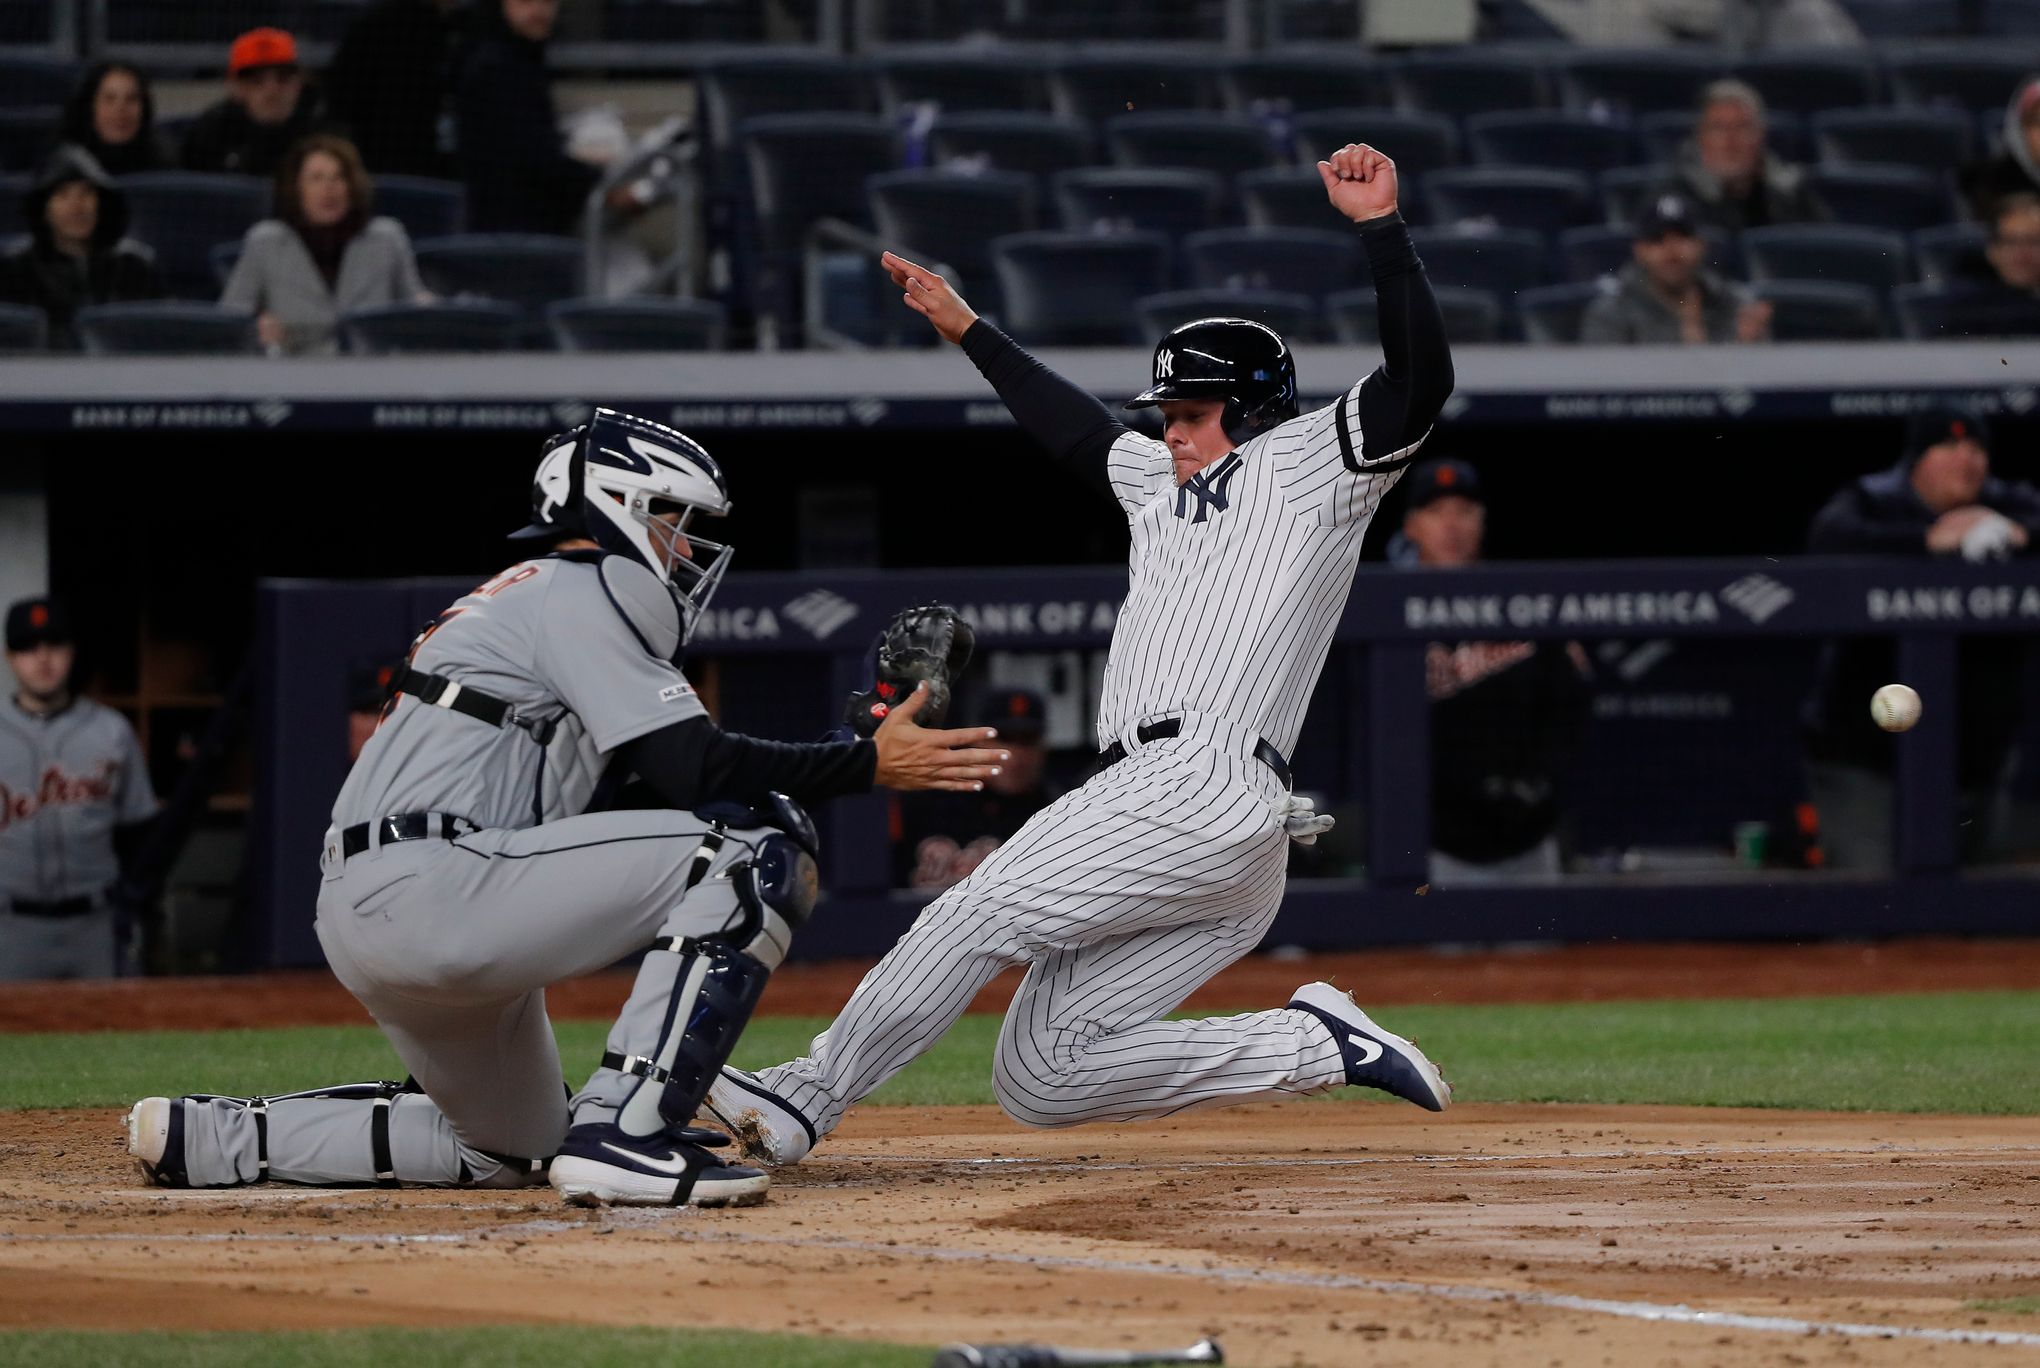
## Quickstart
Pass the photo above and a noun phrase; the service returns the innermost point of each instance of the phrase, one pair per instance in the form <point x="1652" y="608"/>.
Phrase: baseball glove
<point x="927" y="643"/>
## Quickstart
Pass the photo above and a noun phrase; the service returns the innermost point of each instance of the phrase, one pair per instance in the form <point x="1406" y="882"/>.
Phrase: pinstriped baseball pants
<point x="1122" y="897"/>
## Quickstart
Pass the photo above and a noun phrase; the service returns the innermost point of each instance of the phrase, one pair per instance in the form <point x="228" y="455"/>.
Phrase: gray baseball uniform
<point x="67" y="780"/>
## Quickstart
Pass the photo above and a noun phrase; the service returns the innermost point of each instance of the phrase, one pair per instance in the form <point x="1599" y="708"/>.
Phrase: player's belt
<point x="62" y="907"/>
<point x="1173" y="726"/>
<point x="404" y="826"/>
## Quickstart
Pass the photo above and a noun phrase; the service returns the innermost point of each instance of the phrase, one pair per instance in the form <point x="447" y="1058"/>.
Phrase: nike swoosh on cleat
<point x="1371" y="1050"/>
<point x="675" y="1164"/>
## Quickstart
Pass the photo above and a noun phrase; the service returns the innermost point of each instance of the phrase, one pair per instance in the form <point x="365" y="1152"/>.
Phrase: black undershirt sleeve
<point x="1067" y="420"/>
<point x="1403" y="397"/>
<point x="694" y="762"/>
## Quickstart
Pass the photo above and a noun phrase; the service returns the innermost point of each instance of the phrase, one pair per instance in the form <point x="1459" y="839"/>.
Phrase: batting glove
<point x="1302" y="820"/>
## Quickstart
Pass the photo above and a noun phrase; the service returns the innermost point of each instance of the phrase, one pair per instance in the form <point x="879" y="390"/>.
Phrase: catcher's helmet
<point x="1246" y="364"/>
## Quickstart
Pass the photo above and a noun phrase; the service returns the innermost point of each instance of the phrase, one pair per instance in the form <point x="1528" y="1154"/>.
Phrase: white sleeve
<point x="1139" y="468"/>
<point x="1325" y="466"/>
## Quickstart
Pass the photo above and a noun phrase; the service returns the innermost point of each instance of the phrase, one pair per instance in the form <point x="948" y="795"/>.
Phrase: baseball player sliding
<point x="466" y="867"/>
<point x="1168" y="864"/>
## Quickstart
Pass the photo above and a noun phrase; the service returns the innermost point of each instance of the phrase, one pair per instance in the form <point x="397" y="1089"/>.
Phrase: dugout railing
<point x="794" y="645"/>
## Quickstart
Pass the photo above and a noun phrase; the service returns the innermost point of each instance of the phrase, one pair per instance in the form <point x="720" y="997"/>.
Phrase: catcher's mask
<point x="1244" y="363"/>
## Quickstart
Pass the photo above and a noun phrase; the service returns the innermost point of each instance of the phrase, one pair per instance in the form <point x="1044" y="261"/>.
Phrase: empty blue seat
<point x="1292" y="315"/>
<point x="780" y="81"/>
<point x="28" y="80"/>
<point x="455" y="325"/>
<point x="1306" y="261"/>
<point x="184" y="214"/>
<point x="12" y="187"/>
<point x="23" y="329"/>
<point x="1078" y="289"/>
<point x="953" y="81"/>
<point x="223" y="258"/>
<point x="1621" y="192"/>
<point x="936" y="216"/>
<point x="1201" y="140"/>
<point x="1883" y="196"/>
<point x="1469" y="81"/>
<point x="806" y="167"/>
<point x="1634" y="80"/>
<point x="1509" y="197"/>
<point x="425" y="205"/>
<point x="1562" y="141"/>
<point x="1039" y="144"/>
<point x="1300" y="80"/>
<point x="1840" y="252"/>
<point x="1811" y="79"/>
<point x="1933" y="140"/>
<point x="1948" y="249"/>
<point x="1095" y="86"/>
<point x="529" y="269"/>
<point x="1110" y="199"/>
<point x="1503" y="261"/>
<point x="26" y="136"/>
<point x="637" y="325"/>
<point x="1981" y="80"/>
<point x="1285" y="197"/>
<point x="164" y="327"/>
<point x="1664" y="134"/>
<point x="1417" y="143"/>
<point x="1821" y="311"/>
<point x="1471" y="316"/>
<point x="1551" y="314"/>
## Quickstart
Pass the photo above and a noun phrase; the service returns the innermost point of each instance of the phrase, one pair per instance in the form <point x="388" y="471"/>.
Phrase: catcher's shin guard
<point x="712" y="982"/>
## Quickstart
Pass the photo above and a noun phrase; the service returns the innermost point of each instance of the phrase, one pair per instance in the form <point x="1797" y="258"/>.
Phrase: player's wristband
<point x="1386" y="240"/>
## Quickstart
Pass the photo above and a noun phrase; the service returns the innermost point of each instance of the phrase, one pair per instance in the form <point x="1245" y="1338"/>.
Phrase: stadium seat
<point x="1620" y="193"/>
<point x="164" y="328"/>
<point x="1841" y="252"/>
<point x="1821" y="311"/>
<point x="527" y="269"/>
<point x="1981" y="80"/>
<point x="1896" y="197"/>
<point x="1664" y="134"/>
<point x="1511" y="196"/>
<point x="26" y="136"/>
<point x="1290" y="314"/>
<point x="1551" y="138"/>
<point x="1418" y="143"/>
<point x="1811" y="79"/>
<point x="1600" y="249"/>
<point x="12" y="187"/>
<point x="954" y="81"/>
<point x="459" y="325"/>
<point x="780" y="81"/>
<point x="1469" y="81"/>
<point x="1503" y="262"/>
<point x="23" y="329"/>
<point x="222" y="259"/>
<point x="1551" y="314"/>
<point x="1634" y="81"/>
<point x="182" y="215"/>
<point x="1286" y="197"/>
<point x="1301" y="80"/>
<point x="1942" y="251"/>
<point x="1470" y="316"/>
<point x="1932" y="140"/>
<point x="637" y="325"/>
<point x="1112" y="199"/>
<point x="1039" y="144"/>
<point x="28" y="81"/>
<point x="1197" y="139"/>
<point x="1078" y="289"/>
<point x="1306" y="261"/>
<point x="936" y="216"/>
<point x="1095" y="86"/>
<point x="806" y="167"/>
<point x="426" y="206"/>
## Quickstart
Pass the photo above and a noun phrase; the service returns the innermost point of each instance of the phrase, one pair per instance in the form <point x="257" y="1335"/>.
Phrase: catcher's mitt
<point x="924" y="643"/>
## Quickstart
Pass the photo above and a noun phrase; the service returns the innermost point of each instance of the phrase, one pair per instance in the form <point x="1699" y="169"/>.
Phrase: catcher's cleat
<point x="155" y="1137"/>
<point x="600" y="1165"/>
<point x="1374" y="1058"/>
<point x="769" y="1129"/>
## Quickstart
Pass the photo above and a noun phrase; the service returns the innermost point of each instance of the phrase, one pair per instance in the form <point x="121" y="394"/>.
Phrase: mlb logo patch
<point x="673" y="693"/>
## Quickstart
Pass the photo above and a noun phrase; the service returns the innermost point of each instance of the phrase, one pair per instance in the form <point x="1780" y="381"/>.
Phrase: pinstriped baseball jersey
<point x="1238" y="576"/>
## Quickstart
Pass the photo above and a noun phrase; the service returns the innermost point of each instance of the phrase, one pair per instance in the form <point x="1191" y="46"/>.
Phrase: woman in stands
<point x="322" y="255"/>
<point x="112" y="115"/>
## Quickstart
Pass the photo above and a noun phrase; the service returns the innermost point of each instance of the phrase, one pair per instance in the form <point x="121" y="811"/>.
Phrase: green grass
<point x="2021" y="1306"/>
<point x="507" y="1346"/>
<point x="1951" y="1052"/>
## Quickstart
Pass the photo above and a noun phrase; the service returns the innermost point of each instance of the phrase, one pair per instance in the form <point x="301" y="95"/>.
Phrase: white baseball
<point x="1895" y="707"/>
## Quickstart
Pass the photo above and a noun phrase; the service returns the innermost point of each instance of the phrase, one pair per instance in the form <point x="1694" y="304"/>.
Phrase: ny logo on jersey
<point x="1208" y="487"/>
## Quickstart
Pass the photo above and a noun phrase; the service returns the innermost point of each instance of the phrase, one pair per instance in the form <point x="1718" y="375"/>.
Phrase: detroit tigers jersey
<point x="67" y="779"/>
<point x="587" y="642"/>
<point x="1237" y="578"/>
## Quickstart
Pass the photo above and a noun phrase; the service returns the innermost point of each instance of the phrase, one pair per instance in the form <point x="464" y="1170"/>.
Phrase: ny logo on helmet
<point x="1165" y="364"/>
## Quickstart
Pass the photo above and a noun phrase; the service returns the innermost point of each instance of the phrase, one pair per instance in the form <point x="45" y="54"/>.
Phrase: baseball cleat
<point x="155" y="1137"/>
<point x="769" y="1129"/>
<point x="599" y="1165"/>
<point x="1374" y="1058"/>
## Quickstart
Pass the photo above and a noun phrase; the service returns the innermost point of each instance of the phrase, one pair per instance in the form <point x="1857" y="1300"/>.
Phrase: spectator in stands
<point x="76" y="252"/>
<point x="940" y="838"/>
<point x="1504" y="714"/>
<point x="2016" y="169"/>
<point x="518" y="173"/>
<point x="1939" y="500"/>
<point x="388" y="84"/>
<point x="1996" y="292"/>
<point x="323" y="254"/>
<point x="1731" y="176"/>
<point x="268" y="109"/>
<point x="112" y="115"/>
<point x="1666" y="294"/>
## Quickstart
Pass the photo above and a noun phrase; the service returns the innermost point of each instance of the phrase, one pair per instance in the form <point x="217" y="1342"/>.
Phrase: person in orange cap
<point x="267" y="109"/>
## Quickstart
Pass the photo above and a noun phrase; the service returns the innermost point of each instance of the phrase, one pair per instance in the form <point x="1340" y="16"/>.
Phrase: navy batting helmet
<point x="1246" y="364"/>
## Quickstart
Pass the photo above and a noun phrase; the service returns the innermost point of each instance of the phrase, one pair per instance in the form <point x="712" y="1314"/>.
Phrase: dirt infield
<point x="1301" y="1233"/>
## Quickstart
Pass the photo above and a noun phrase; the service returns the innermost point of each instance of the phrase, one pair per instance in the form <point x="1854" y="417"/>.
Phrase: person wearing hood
<point x="112" y="115"/>
<point x="268" y="109"/>
<point x="323" y="254"/>
<point x="2016" y="169"/>
<point x="1940" y="499"/>
<point x="77" y="252"/>
<point x="519" y="175"/>
<point x="1667" y="295"/>
<point x="1731" y="175"/>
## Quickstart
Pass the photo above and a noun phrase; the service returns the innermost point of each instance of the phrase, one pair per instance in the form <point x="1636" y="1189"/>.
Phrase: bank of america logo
<point x="821" y="612"/>
<point x="1757" y="597"/>
<point x="270" y="411"/>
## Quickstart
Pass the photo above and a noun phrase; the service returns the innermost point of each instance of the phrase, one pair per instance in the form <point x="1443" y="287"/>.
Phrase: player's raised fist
<point x="930" y="296"/>
<point x="1360" y="182"/>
